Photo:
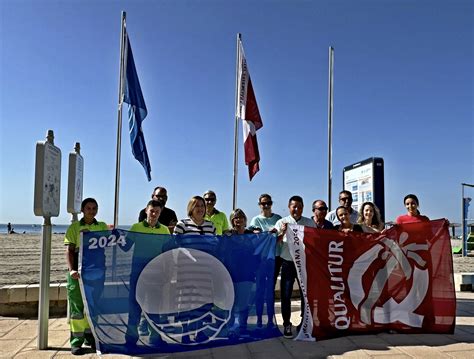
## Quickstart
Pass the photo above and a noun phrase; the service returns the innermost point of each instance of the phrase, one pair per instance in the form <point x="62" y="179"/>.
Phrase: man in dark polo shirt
<point x="167" y="216"/>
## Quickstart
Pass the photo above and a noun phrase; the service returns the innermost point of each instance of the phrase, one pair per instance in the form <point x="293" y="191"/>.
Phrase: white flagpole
<point x="330" y="113"/>
<point x="119" y="122"/>
<point x="236" y="129"/>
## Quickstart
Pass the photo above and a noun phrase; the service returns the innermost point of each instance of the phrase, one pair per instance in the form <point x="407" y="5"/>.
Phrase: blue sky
<point x="403" y="91"/>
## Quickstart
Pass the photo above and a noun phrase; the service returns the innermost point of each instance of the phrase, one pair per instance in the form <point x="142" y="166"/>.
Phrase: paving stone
<point x="269" y="345"/>
<point x="422" y="351"/>
<point x="29" y="353"/>
<point x="434" y="339"/>
<point x="400" y="339"/>
<point x="230" y="352"/>
<point x="28" y="329"/>
<point x="7" y="324"/>
<point x="9" y="347"/>
<point x="461" y="355"/>
<point x="359" y="353"/>
<point x="391" y="356"/>
<point x="458" y="347"/>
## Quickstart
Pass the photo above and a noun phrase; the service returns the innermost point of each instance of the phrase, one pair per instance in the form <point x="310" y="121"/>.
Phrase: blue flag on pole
<point x="168" y="293"/>
<point x="136" y="110"/>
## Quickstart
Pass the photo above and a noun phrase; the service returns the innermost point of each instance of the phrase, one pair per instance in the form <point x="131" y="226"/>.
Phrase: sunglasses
<point x="343" y="199"/>
<point x="210" y="199"/>
<point x="264" y="204"/>
<point x="320" y="208"/>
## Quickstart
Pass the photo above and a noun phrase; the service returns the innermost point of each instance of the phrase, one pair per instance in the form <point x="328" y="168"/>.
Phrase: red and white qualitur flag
<point x="247" y="111"/>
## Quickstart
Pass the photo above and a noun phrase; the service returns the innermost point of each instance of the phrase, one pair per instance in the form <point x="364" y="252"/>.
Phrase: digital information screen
<point x="365" y="180"/>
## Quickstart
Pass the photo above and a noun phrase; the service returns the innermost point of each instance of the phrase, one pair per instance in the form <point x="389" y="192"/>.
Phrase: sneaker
<point x="90" y="343"/>
<point x="77" y="351"/>
<point x="287" y="332"/>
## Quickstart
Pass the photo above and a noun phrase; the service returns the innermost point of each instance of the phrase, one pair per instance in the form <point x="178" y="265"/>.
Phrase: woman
<point x="244" y="276"/>
<point x="413" y="214"/>
<point x="195" y="223"/>
<point x="344" y="217"/>
<point x="238" y="221"/>
<point x="80" y="329"/>
<point x="369" y="218"/>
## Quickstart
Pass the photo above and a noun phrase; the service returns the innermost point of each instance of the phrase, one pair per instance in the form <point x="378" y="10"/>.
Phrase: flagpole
<point x="119" y="120"/>
<point x="236" y="128"/>
<point x="330" y="113"/>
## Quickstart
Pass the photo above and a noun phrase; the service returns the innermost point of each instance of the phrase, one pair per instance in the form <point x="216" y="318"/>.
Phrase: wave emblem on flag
<point x="356" y="283"/>
<point x="137" y="110"/>
<point x="247" y="111"/>
<point x="204" y="291"/>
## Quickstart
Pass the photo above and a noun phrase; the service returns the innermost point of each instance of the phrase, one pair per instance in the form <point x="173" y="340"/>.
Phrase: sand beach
<point x="20" y="259"/>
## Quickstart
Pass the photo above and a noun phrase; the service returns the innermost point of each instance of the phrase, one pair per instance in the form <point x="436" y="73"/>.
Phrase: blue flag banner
<point x="147" y="293"/>
<point x="136" y="110"/>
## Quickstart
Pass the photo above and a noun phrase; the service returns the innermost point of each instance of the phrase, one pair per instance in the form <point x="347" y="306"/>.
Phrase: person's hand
<point x="284" y="226"/>
<point x="74" y="274"/>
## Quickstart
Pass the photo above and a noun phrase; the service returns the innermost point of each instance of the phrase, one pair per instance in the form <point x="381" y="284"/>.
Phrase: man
<point x="320" y="210"/>
<point x="150" y="225"/>
<point x="265" y="221"/>
<point x="345" y="200"/>
<point x="167" y="216"/>
<point x="288" y="269"/>
<point x="212" y="214"/>
<point x="80" y="329"/>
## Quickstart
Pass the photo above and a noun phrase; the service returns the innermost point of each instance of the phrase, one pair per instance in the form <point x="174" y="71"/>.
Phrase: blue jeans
<point x="288" y="276"/>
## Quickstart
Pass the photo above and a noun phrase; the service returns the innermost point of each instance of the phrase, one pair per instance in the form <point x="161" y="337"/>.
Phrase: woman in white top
<point x="195" y="223"/>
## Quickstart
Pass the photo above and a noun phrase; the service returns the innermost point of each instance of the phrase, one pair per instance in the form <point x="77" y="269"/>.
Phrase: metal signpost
<point x="46" y="204"/>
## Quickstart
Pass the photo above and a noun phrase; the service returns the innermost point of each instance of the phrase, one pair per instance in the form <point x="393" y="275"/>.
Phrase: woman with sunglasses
<point x="343" y="216"/>
<point x="413" y="214"/>
<point x="266" y="221"/>
<point x="369" y="218"/>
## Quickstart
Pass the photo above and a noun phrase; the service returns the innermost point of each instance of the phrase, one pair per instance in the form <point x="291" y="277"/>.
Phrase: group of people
<point x="203" y="218"/>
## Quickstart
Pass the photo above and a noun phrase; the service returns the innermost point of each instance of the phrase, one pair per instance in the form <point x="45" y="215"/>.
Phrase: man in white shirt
<point x="288" y="269"/>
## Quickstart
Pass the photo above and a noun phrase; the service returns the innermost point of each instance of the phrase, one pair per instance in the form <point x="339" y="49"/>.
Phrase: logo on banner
<point x="186" y="296"/>
<point x="395" y="255"/>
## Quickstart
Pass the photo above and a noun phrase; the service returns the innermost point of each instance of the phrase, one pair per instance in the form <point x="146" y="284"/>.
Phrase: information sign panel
<point x="75" y="180"/>
<point x="47" y="180"/>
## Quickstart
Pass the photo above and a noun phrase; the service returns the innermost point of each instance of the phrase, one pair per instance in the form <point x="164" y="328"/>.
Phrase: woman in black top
<point x="343" y="216"/>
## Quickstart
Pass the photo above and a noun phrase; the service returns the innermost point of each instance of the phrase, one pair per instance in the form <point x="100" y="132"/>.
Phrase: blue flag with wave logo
<point x="137" y="110"/>
<point x="148" y="294"/>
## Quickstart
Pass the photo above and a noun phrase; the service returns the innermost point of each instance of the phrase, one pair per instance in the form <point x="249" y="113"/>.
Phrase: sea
<point x="38" y="228"/>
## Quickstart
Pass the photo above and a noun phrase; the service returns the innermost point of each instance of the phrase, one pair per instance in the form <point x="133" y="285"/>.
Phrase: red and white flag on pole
<point x="247" y="111"/>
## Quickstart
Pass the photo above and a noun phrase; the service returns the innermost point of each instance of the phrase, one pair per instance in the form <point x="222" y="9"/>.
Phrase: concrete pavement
<point x="18" y="339"/>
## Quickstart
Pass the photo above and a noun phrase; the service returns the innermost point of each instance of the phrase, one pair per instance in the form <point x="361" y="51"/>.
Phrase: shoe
<point x="270" y="325"/>
<point x="287" y="332"/>
<point x="298" y="328"/>
<point x="90" y="343"/>
<point x="77" y="351"/>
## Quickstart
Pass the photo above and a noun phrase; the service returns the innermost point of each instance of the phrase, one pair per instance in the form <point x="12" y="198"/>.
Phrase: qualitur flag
<point x="136" y="109"/>
<point x="191" y="292"/>
<point x="247" y="111"/>
<point x="359" y="283"/>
